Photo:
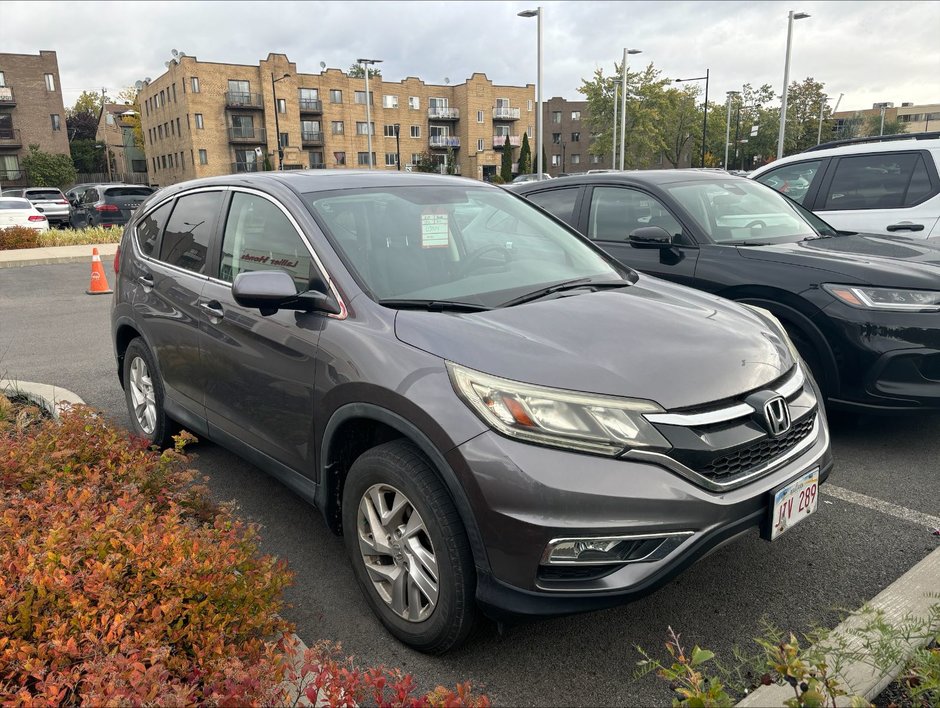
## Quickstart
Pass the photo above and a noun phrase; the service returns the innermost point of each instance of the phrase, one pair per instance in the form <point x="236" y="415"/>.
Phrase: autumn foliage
<point x="14" y="237"/>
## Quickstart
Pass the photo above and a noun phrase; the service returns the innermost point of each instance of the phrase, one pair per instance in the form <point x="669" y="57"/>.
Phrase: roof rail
<point x="932" y="135"/>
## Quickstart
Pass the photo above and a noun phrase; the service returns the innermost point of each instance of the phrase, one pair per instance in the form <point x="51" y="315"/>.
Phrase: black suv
<point x="861" y="309"/>
<point x="107" y="205"/>
<point x="493" y="412"/>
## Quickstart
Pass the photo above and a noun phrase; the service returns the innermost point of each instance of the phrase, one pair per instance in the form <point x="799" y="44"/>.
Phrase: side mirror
<point x="650" y="237"/>
<point x="273" y="290"/>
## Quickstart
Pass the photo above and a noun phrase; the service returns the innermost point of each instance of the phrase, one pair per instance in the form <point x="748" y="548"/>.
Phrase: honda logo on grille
<point x="777" y="416"/>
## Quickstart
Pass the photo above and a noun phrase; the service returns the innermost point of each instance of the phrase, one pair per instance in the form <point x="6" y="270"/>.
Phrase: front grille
<point x="729" y="466"/>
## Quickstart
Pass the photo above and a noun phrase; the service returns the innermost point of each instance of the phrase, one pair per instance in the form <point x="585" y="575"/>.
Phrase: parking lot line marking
<point x="900" y="512"/>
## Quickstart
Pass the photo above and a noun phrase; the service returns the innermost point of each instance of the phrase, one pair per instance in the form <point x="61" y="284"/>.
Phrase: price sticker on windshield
<point x="434" y="232"/>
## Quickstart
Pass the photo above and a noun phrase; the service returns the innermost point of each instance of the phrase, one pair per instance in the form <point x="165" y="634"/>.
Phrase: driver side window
<point x="617" y="211"/>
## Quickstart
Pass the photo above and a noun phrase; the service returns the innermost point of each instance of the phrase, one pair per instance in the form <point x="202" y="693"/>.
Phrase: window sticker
<point x="434" y="233"/>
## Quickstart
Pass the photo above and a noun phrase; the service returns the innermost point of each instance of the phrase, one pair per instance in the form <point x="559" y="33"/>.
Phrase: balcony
<point x="246" y="167"/>
<point x="499" y="141"/>
<point x="311" y="138"/>
<point x="505" y="113"/>
<point x="7" y="98"/>
<point x="10" y="138"/>
<point x="237" y="99"/>
<point x="247" y="135"/>
<point x="443" y="113"/>
<point x="311" y="105"/>
<point x="13" y="178"/>
<point x="444" y="141"/>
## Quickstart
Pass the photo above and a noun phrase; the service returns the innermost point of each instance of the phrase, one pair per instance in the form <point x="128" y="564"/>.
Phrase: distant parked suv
<point x="885" y="187"/>
<point x="108" y="205"/>
<point x="48" y="200"/>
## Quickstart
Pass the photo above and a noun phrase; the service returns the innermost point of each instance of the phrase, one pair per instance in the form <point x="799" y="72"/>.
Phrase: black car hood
<point x="652" y="340"/>
<point x="865" y="259"/>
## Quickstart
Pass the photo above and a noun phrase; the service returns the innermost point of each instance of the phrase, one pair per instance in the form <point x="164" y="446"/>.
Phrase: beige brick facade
<point x="116" y="132"/>
<point x="238" y="118"/>
<point x="28" y="103"/>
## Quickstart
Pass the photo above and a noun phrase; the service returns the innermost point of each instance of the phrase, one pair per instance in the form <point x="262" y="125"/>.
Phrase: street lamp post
<point x="613" y="133"/>
<point x="728" y="127"/>
<point x="277" y="124"/>
<point x="786" y="80"/>
<point x="705" y="119"/>
<point x="537" y="13"/>
<point x="397" y="148"/>
<point x="365" y="65"/>
<point x="623" y="103"/>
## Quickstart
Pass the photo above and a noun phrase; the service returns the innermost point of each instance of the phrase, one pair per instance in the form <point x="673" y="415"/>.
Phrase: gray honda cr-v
<point x="497" y="416"/>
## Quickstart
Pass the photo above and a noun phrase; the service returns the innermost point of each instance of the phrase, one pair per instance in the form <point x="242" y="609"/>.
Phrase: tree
<point x="804" y="102"/>
<point x="88" y="156"/>
<point x="81" y="120"/>
<point x="525" y="155"/>
<point x="505" y="168"/>
<point x="427" y="163"/>
<point x="539" y="165"/>
<point x="130" y="96"/>
<point x="680" y="121"/>
<point x="47" y="170"/>
<point x="356" y="71"/>
<point x="873" y="127"/>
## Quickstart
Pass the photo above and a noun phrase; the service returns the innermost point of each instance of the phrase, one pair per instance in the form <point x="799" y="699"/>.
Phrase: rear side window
<point x="557" y="202"/>
<point x="792" y="180"/>
<point x="150" y="228"/>
<point x="186" y="240"/>
<point x="920" y="187"/>
<point x="128" y="192"/>
<point x="878" y="181"/>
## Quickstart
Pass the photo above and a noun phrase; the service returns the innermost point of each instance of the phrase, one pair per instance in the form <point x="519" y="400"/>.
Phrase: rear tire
<point x="408" y="548"/>
<point x="144" y="393"/>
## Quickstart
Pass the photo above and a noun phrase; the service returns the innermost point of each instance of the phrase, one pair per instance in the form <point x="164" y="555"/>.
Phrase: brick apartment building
<point x="204" y="118"/>
<point x="31" y="111"/>
<point x="917" y="118"/>
<point x="116" y="131"/>
<point x="567" y="138"/>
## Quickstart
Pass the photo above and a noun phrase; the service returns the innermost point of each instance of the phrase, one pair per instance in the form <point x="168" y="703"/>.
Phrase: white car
<point x="889" y="187"/>
<point x="15" y="211"/>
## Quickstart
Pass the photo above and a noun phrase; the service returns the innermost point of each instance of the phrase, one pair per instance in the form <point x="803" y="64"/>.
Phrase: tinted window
<point x="616" y="211"/>
<point x="558" y="202"/>
<point x="91" y="196"/>
<point x="186" y="241"/>
<point x="44" y="194"/>
<point x="919" y="188"/>
<point x="792" y="180"/>
<point x="258" y="236"/>
<point x="877" y="181"/>
<point x="128" y="191"/>
<point x="150" y="228"/>
<point x="14" y="204"/>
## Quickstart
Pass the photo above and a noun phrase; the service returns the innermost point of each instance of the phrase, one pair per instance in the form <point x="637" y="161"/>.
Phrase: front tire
<point x="144" y="393"/>
<point x="408" y="548"/>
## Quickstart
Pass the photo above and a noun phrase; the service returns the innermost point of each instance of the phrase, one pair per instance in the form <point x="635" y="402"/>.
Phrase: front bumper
<point x="524" y="496"/>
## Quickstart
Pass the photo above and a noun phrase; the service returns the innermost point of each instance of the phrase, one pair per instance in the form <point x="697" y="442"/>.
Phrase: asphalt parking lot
<point x="872" y="525"/>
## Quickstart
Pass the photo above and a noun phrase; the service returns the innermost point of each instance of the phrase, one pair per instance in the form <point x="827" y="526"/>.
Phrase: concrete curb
<point x="908" y="596"/>
<point x="20" y="257"/>
<point x="52" y="398"/>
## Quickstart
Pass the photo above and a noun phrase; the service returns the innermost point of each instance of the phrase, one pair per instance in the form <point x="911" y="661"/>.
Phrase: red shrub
<point x="18" y="237"/>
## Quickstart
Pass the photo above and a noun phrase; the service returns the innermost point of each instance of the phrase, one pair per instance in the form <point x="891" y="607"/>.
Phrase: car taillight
<point x="37" y="217"/>
<point x="61" y="201"/>
<point x="117" y="260"/>
<point x="106" y="207"/>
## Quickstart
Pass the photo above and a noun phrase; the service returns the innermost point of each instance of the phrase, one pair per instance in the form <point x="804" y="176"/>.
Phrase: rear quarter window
<point x="150" y="227"/>
<point x="557" y="202"/>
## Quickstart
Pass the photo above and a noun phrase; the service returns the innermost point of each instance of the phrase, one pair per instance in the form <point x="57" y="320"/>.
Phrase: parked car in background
<point x="493" y="412"/>
<point x="73" y="194"/>
<point x="861" y="309"/>
<point x="15" y="211"/>
<point x="108" y="205"/>
<point x="530" y="178"/>
<point x="48" y="200"/>
<point x="888" y="187"/>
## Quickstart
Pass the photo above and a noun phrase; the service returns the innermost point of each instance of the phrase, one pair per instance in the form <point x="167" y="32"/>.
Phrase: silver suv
<point x="887" y="187"/>
<point x="49" y="200"/>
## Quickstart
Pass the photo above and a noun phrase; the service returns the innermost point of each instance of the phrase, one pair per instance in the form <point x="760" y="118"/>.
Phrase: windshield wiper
<point x="567" y="285"/>
<point x="434" y="305"/>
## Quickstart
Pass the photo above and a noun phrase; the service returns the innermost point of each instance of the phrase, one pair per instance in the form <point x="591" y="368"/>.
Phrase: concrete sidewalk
<point x="55" y="254"/>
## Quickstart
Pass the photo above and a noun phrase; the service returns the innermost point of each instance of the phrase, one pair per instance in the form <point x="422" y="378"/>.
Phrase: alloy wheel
<point x="142" y="398"/>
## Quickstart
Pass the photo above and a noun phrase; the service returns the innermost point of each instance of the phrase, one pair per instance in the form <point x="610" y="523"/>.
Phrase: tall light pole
<point x="277" y="125"/>
<point x="366" y="63"/>
<point x="623" y="102"/>
<point x="728" y="128"/>
<point x="705" y="119"/>
<point x="537" y="12"/>
<point x="613" y="133"/>
<point x="786" y="80"/>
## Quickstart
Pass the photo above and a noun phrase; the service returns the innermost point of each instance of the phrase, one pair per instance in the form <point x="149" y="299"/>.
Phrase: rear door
<point x="126" y="199"/>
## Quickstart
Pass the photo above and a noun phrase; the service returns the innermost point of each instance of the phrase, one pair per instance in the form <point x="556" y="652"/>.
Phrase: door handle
<point x="146" y="281"/>
<point x="213" y="308"/>
<point x="906" y="226"/>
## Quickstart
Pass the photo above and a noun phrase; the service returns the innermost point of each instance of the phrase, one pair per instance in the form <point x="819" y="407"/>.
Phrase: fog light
<point x="606" y="550"/>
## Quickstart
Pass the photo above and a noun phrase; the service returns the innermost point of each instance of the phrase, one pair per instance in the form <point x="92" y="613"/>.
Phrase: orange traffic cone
<point x="99" y="281"/>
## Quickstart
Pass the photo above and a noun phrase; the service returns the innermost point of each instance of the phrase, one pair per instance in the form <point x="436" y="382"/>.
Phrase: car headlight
<point x="778" y="325"/>
<point x="886" y="298"/>
<point x="604" y="425"/>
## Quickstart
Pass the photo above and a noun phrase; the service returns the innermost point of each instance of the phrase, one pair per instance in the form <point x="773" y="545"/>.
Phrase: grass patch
<point x="80" y="237"/>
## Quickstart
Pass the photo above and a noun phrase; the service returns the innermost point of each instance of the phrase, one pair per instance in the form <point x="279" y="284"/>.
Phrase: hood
<point x="864" y="259"/>
<point x="652" y="340"/>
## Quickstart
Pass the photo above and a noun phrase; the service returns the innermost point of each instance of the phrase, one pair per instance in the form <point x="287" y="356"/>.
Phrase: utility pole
<point x="397" y="148"/>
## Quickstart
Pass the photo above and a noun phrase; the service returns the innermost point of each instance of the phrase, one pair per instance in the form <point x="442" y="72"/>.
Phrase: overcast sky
<point x="869" y="51"/>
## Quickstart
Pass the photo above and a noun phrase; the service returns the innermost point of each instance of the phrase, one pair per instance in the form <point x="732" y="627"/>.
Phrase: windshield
<point x="746" y="213"/>
<point x="453" y="243"/>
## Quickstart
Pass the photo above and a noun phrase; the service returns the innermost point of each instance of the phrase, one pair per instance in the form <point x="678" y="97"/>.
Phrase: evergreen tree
<point x="525" y="156"/>
<point x="505" y="170"/>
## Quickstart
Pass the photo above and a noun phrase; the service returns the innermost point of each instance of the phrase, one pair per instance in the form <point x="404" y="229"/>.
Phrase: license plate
<point x="794" y="503"/>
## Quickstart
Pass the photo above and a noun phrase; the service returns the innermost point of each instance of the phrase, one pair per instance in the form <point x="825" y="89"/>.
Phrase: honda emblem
<point x="777" y="416"/>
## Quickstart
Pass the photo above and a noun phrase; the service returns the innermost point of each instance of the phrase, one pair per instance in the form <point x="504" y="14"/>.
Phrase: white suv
<point x="890" y="187"/>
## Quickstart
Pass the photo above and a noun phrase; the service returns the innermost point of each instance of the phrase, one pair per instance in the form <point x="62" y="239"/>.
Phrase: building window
<point x="576" y="137"/>
<point x="415" y="158"/>
<point x="194" y="84"/>
<point x="576" y="159"/>
<point x="595" y="159"/>
<point x="416" y="131"/>
<point x="3" y="81"/>
<point x="414" y="103"/>
<point x="362" y="130"/>
<point x="178" y="131"/>
<point x="556" y="116"/>
<point x="391" y="159"/>
<point x="174" y="92"/>
<point x="315" y="158"/>
<point x="575" y="115"/>
<point x="390" y="101"/>
<point x="529" y="105"/>
<point x="200" y="124"/>
<point x="163" y="161"/>
<point x="336" y="96"/>
<point x="56" y="121"/>
<point x="162" y="98"/>
<point x="389" y="131"/>
<point x="360" y="97"/>
<point x="479" y="116"/>
<point x="336" y="127"/>
<point x="109" y="119"/>
<point x="160" y="132"/>
<point x="556" y="138"/>
<point x="282" y="105"/>
<point x="363" y="158"/>
<point x="556" y="160"/>
<point x="285" y="139"/>
<point x="50" y="82"/>
<point x="481" y="145"/>
<point x="340" y="158"/>
<point x="203" y="157"/>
